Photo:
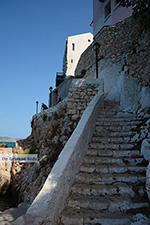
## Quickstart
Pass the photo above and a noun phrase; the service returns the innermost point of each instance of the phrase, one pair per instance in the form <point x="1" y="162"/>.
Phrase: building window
<point x="73" y="46"/>
<point x="108" y="9"/>
<point x="71" y="60"/>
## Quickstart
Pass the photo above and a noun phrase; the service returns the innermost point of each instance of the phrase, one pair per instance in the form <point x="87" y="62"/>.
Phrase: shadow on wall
<point x="122" y="63"/>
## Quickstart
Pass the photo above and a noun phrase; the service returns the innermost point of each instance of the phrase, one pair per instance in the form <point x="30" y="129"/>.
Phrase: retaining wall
<point x="51" y="200"/>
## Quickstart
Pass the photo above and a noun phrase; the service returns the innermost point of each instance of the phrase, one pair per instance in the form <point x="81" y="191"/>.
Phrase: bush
<point x="141" y="11"/>
<point x="30" y="150"/>
<point x="27" y="151"/>
<point x="3" y="145"/>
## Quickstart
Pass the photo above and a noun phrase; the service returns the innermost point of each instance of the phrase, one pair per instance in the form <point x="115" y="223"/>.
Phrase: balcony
<point x="60" y="77"/>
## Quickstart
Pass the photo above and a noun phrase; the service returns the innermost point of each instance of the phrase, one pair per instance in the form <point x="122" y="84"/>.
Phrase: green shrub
<point x="3" y="145"/>
<point x="27" y="151"/>
<point x="141" y="11"/>
<point x="30" y="150"/>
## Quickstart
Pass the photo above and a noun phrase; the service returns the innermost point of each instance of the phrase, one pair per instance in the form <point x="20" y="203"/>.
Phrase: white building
<point x="107" y="12"/>
<point x="75" y="46"/>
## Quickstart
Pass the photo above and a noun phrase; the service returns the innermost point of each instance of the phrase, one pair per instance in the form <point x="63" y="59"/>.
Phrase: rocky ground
<point x="5" y="172"/>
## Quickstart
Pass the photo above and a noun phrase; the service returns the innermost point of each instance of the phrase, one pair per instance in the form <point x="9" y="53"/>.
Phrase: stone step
<point x="109" y="139"/>
<point x="110" y="109"/>
<point x="113" y="153"/>
<point x="119" y="119"/>
<point x="126" y="161"/>
<point x="8" y="216"/>
<point x="80" y="217"/>
<point x="105" y="133"/>
<point x="115" y="114"/>
<point x="111" y="181"/>
<point x="107" y="113"/>
<point x="112" y="146"/>
<point x="109" y="203"/>
<point x="96" y="178"/>
<point x="72" y="216"/>
<point x="112" y="189"/>
<point x="114" y="128"/>
<point x="116" y="123"/>
<point x="111" y="104"/>
<point x="102" y="169"/>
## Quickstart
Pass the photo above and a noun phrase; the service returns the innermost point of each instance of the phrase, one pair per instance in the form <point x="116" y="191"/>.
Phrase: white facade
<point x="75" y="46"/>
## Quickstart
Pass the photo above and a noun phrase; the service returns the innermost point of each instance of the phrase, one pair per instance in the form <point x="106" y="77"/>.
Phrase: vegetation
<point x="30" y="150"/>
<point x="141" y="11"/>
<point x="3" y="145"/>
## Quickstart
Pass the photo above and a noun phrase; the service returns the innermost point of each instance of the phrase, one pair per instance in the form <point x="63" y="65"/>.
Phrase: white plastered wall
<point x="76" y="45"/>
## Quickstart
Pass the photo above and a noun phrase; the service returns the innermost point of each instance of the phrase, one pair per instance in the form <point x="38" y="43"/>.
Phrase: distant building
<point x="107" y="12"/>
<point x="75" y="46"/>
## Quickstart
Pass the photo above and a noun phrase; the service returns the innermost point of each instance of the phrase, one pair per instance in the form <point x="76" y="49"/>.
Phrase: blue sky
<point x="32" y="43"/>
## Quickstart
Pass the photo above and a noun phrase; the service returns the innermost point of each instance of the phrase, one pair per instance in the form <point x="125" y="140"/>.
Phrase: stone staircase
<point x="110" y="186"/>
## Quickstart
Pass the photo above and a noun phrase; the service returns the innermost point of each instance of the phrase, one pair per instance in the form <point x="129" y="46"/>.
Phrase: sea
<point x="9" y="144"/>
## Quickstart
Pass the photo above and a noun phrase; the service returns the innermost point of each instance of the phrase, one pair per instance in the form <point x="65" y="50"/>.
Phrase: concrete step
<point x="111" y="104"/>
<point x="89" y="217"/>
<point x="112" y="189"/>
<point x="108" y="178"/>
<point x="115" y="128"/>
<point x="115" y="168"/>
<point x="105" y="133"/>
<point x="109" y="203"/>
<point x="113" y="153"/>
<point x="109" y="139"/>
<point x="116" y="123"/>
<point x="116" y="114"/>
<point x="126" y="161"/>
<point x="112" y="146"/>
<point x="117" y="118"/>
<point x="111" y="180"/>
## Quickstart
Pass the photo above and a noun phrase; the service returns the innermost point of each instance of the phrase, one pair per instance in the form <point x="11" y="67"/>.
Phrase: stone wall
<point x="79" y="98"/>
<point x="123" y="63"/>
<point x="57" y="187"/>
<point x="51" y="130"/>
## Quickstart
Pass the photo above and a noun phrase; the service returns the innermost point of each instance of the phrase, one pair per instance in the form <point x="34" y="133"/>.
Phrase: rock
<point x="5" y="173"/>
<point x="145" y="149"/>
<point x="8" y="216"/>
<point x="43" y="160"/>
<point x="55" y="140"/>
<point x="140" y="219"/>
<point x="75" y="117"/>
<point x="148" y="180"/>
